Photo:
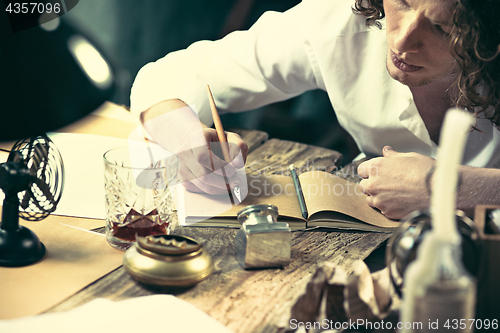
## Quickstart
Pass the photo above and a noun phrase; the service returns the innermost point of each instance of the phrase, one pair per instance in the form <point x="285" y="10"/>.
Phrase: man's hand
<point x="197" y="165"/>
<point x="175" y="126"/>
<point x="396" y="183"/>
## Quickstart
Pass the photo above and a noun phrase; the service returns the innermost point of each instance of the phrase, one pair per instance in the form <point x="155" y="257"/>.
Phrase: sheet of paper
<point x="197" y="207"/>
<point x="261" y="189"/>
<point x="74" y="259"/>
<point x="82" y="154"/>
<point x="83" y="194"/>
<point x="156" y="313"/>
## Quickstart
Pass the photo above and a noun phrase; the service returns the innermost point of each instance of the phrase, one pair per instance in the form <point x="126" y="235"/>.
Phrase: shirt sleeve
<point x="270" y="62"/>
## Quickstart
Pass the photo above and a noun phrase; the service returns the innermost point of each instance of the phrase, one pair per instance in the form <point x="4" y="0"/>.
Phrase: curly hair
<point x="475" y="45"/>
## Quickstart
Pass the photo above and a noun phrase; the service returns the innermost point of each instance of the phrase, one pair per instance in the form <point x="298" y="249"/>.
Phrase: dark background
<point x="135" y="32"/>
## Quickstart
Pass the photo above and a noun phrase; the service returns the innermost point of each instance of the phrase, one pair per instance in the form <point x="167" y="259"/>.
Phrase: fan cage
<point x="42" y="158"/>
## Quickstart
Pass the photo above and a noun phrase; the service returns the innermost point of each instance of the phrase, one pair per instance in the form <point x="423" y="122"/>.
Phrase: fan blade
<point x="25" y="201"/>
<point x="39" y="156"/>
<point x="45" y="189"/>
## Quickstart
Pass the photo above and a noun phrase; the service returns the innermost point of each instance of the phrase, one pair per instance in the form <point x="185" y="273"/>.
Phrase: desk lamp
<point x="50" y="76"/>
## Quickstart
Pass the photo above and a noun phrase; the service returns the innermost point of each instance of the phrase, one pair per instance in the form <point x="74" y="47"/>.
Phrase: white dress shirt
<point x="318" y="44"/>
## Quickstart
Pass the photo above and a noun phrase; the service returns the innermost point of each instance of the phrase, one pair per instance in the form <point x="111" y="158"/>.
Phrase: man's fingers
<point x="209" y="183"/>
<point x="363" y="170"/>
<point x="387" y="151"/>
<point x="374" y="203"/>
<point x="238" y="150"/>
<point x="369" y="168"/>
<point x="206" y="188"/>
<point x="237" y="154"/>
<point x="202" y="167"/>
<point x="205" y="175"/>
<point x="362" y="186"/>
<point x="369" y="201"/>
<point x="209" y="160"/>
<point x="192" y="187"/>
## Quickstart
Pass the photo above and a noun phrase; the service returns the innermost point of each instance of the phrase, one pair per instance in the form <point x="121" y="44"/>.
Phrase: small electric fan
<point x="32" y="179"/>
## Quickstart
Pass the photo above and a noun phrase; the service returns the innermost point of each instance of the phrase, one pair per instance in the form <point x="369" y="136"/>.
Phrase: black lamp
<point x="50" y="75"/>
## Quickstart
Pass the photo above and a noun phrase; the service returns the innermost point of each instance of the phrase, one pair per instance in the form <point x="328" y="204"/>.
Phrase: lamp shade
<point x="50" y="76"/>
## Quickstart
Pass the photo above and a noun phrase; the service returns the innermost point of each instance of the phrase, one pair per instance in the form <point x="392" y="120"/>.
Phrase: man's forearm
<point x="478" y="186"/>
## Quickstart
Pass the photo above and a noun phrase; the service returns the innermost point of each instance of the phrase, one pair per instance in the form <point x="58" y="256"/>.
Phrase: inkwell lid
<point x="168" y="260"/>
<point x="255" y="214"/>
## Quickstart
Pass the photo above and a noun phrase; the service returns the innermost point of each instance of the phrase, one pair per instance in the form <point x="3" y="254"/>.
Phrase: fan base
<point x="20" y="247"/>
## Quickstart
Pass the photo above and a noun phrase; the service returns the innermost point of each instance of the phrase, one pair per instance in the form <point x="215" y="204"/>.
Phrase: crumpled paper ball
<point x="340" y="297"/>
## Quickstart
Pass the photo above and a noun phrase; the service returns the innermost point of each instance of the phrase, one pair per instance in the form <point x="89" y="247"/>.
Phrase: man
<point x="391" y="69"/>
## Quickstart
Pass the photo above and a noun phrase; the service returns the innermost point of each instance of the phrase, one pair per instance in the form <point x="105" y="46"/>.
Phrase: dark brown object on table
<point x="488" y="293"/>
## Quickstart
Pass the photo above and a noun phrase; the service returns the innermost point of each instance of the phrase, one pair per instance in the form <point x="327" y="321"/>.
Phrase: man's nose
<point x="410" y="34"/>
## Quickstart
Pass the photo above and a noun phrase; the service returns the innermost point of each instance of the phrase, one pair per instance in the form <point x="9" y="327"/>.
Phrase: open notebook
<point x="331" y="202"/>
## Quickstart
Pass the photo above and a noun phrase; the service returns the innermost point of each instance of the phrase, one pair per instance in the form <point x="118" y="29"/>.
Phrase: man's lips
<point x="403" y="66"/>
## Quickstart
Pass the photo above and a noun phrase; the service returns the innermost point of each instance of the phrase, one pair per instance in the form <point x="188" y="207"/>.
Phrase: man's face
<point x="417" y="40"/>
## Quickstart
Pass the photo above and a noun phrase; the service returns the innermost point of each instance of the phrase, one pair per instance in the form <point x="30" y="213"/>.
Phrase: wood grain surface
<point x="253" y="138"/>
<point x="252" y="300"/>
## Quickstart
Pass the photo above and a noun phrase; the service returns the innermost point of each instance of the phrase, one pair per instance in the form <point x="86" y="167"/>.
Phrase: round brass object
<point x="168" y="260"/>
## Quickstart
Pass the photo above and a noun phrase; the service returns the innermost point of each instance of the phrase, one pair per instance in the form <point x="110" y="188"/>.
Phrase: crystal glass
<point x="138" y="193"/>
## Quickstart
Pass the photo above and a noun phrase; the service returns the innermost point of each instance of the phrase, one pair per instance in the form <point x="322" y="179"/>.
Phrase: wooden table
<point x="256" y="300"/>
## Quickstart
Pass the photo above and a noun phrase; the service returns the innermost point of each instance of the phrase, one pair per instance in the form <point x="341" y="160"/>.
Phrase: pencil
<point x="233" y="186"/>
<point x="298" y="190"/>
